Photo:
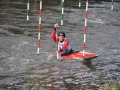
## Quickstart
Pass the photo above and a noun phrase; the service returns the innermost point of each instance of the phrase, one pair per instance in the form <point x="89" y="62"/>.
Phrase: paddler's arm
<point x="53" y="34"/>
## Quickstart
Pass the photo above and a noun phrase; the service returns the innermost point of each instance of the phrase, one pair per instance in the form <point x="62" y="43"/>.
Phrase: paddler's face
<point x="61" y="38"/>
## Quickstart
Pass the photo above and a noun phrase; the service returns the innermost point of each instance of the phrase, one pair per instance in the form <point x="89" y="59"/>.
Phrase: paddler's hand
<point x="56" y="25"/>
<point x="58" y="51"/>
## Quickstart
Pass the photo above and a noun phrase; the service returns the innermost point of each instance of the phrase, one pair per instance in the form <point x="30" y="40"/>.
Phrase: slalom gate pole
<point x="79" y="3"/>
<point x="85" y="27"/>
<point x="112" y="4"/>
<point x="39" y="27"/>
<point x="28" y="11"/>
<point x="62" y="17"/>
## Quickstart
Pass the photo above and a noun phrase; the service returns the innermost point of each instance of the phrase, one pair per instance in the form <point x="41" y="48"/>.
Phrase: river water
<point x="22" y="69"/>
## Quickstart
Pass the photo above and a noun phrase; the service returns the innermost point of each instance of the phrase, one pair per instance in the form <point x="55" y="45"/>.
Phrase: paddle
<point x="56" y="25"/>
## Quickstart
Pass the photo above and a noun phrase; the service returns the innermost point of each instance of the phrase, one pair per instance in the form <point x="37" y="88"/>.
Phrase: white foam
<point x="97" y="21"/>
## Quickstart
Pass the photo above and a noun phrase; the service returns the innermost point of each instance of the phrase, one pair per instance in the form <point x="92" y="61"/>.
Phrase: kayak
<point x="79" y="55"/>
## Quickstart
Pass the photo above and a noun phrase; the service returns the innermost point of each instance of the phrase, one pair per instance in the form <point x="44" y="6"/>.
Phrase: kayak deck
<point x="79" y="55"/>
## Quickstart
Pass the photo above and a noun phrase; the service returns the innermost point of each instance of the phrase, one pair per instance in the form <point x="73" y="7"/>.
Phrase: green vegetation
<point x="110" y="85"/>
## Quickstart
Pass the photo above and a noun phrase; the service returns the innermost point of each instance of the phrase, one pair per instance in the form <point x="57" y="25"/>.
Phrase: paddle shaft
<point x="62" y="17"/>
<point x="57" y="44"/>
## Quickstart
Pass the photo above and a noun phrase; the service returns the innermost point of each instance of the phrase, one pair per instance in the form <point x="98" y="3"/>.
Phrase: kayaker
<point x="62" y="42"/>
